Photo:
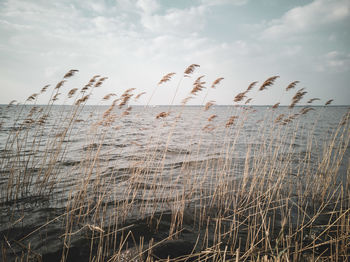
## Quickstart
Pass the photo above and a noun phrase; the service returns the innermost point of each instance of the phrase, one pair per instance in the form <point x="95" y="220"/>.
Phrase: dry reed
<point x="226" y="195"/>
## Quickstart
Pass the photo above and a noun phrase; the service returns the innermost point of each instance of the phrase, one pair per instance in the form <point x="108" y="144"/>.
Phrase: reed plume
<point x="162" y="115"/>
<point x="55" y="97"/>
<point x="292" y="85"/>
<point x="216" y="82"/>
<point x="108" y="96"/>
<point x="139" y="95"/>
<point x="12" y="102"/>
<point x="125" y="97"/>
<point x="212" y="117"/>
<point x="82" y="100"/>
<point x="251" y="86"/>
<point x="304" y="110"/>
<point x="328" y="102"/>
<point x="32" y="97"/>
<point x="190" y="69"/>
<point x="127" y="111"/>
<point x="231" y="121"/>
<point x="43" y="90"/>
<point x="198" y="86"/>
<point x="100" y="81"/>
<point x="60" y="84"/>
<point x="166" y="78"/>
<point x="297" y="97"/>
<point x="125" y="100"/>
<point x="279" y="118"/>
<point x="109" y="110"/>
<point x="275" y="105"/>
<point x="42" y="119"/>
<point x="248" y="101"/>
<point x="198" y="80"/>
<point x="72" y="92"/>
<point x="185" y="100"/>
<point x="268" y="82"/>
<point x="208" y="105"/>
<point x="312" y="100"/>
<point x="89" y="84"/>
<point x="85" y="88"/>
<point x="70" y="73"/>
<point x="127" y="91"/>
<point x="240" y="96"/>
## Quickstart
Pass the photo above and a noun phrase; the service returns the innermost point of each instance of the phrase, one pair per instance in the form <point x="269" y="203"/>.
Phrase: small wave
<point x="70" y="163"/>
<point x="94" y="146"/>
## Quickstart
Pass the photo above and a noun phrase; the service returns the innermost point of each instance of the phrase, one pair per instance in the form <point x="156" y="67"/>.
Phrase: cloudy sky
<point x="136" y="42"/>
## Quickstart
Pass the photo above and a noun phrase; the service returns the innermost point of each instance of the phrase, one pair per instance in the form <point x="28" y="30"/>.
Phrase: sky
<point x="136" y="42"/>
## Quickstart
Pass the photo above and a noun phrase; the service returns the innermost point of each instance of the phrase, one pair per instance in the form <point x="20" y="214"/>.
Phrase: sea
<point x="50" y="156"/>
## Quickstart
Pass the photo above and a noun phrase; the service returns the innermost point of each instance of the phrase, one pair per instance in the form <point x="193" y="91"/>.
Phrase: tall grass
<point x="237" y="190"/>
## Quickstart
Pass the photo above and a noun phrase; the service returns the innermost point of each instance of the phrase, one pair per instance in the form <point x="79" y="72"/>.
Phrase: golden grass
<point x="273" y="203"/>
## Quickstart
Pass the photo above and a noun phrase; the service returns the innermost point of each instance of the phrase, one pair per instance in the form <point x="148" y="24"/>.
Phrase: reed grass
<point x="271" y="203"/>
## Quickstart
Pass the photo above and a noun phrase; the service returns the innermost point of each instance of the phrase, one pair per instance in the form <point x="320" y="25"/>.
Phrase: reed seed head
<point x="328" y="102"/>
<point x="32" y="97"/>
<point x="166" y="78"/>
<point x="43" y="90"/>
<point x="248" y="101"/>
<point x="127" y="111"/>
<point x="185" y="100"/>
<point x="100" y="81"/>
<point x="231" y="121"/>
<point x="198" y="86"/>
<point x="212" y="117"/>
<point x="268" y="82"/>
<point x="275" y="105"/>
<point x="82" y="100"/>
<point x="251" y="86"/>
<point x="60" y="84"/>
<point x="304" y="110"/>
<point x="239" y="97"/>
<point x="190" y="69"/>
<point x="279" y="118"/>
<point x="312" y="100"/>
<point x="216" y="82"/>
<point x="108" y="96"/>
<point x="292" y="85"/>
<point x="297" y="97"/>
<point x="70" y="73"/>
<point x="12" y="102"/>
<point x="208" y="105"/>
<point x="162" y="115"/>
<point x="55" y="97"/>
<point x="72" y="92"/>
<point x="139" y="95"/>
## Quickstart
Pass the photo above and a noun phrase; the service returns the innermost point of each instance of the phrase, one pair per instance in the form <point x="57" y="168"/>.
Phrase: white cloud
<point x="337" y="61"/>
<point x="306" y="18"/>
<point x="333" y="61"/>
<point x="105" y="25"/>
<point x="176" y="21"/>
<point x="98" y="7"/>
<point x="224" y="2"/>
<point x="148" y="6"/>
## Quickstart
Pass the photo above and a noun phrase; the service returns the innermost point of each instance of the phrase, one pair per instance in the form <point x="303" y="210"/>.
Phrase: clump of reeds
<point x="231" y="196"/>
